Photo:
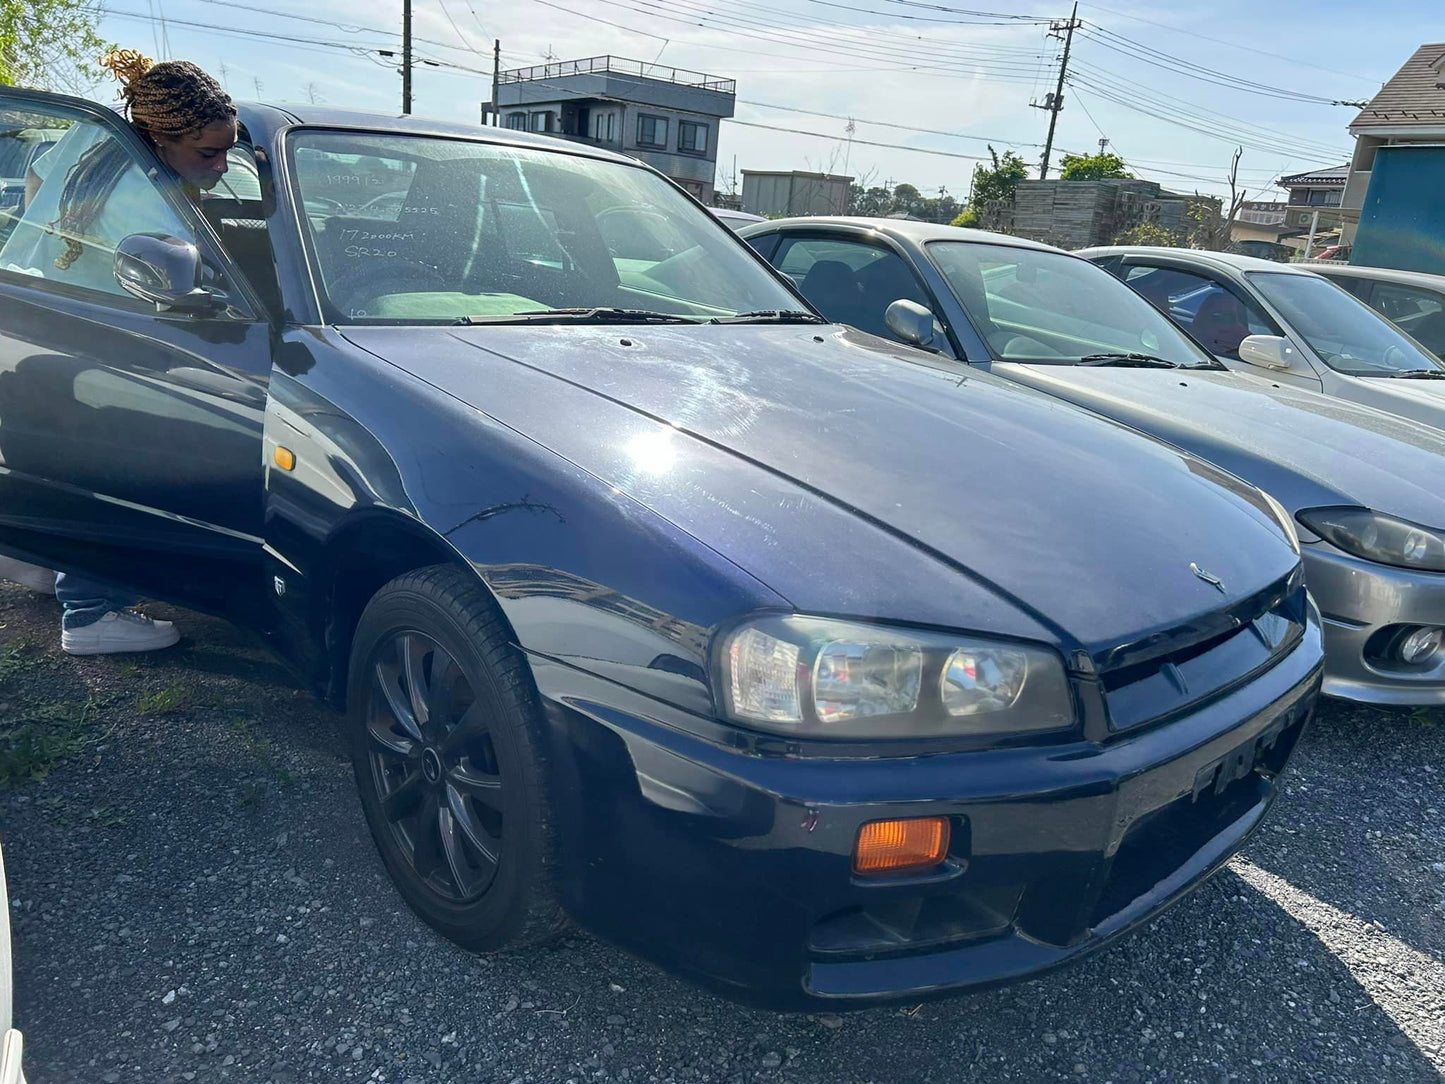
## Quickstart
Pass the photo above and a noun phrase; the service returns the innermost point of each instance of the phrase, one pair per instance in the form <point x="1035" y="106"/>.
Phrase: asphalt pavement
<point x="195" y="897"/>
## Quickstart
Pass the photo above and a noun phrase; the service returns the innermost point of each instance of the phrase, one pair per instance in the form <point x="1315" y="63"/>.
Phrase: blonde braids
<point x="171" y="99"/>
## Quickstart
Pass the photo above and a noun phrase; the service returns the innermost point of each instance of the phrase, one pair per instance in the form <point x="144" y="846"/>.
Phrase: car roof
<point x="741" y="216"/>
<point x="903" y="229"/>
<point x="1381" y="274"/>
<point x="1219" y="259"/>
<point x="268" y="117"/>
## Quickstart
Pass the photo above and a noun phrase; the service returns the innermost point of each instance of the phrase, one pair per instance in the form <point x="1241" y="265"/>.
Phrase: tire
<point x="446" y="729"/>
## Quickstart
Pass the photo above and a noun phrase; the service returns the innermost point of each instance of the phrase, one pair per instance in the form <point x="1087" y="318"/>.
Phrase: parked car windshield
<point x="420" y="228"/>
<point x="1346" y="333"/>
<point x="1033" y="305"/>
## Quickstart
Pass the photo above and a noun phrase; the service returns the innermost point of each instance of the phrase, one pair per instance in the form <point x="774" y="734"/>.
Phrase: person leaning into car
<point x="87" y="189"/>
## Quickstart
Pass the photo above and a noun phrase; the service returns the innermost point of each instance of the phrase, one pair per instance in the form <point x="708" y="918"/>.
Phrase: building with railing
<point x="667" y="117"/>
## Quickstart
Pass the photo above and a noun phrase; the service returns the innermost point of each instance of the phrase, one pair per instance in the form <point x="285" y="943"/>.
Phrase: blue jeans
<point x="87" y="601"/>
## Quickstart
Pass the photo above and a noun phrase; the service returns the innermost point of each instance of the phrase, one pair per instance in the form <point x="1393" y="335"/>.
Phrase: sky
<point x="1174" y="87"/>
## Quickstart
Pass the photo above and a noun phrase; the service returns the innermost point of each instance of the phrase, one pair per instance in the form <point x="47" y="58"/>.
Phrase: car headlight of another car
<point x="826" y="678"/>
<point x="1378" y="537"/>
<point x="1286" y="524"/>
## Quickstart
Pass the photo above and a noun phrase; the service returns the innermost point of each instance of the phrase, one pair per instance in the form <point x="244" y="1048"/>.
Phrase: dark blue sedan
<point x="790" y="659"/>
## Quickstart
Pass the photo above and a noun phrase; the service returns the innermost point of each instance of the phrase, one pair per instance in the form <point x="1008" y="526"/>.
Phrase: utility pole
<point x="1103" y="143"/>
<point x="406" y="56"/>
<point x="496" y="80"/>
<point x="1054" y="103"/>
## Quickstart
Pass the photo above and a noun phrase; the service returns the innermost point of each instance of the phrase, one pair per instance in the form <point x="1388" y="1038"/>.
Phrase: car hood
<point x="1418" y="400"/>
<point x="1306" y="449"/>
<point x="1085" y="526"/>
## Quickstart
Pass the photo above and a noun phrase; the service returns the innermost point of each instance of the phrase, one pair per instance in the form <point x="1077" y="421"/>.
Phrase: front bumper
<point x="734" y="869"/>
<point x="1357" y="600"/>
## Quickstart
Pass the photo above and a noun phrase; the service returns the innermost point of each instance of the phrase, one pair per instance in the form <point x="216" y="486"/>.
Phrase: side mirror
<point x="1269" y="352"/>
<point x="163" y="270"/>
<point x="912" y="323"/>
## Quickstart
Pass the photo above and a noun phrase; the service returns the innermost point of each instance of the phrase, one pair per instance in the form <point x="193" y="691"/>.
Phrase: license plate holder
<point x="1239" y="762"/>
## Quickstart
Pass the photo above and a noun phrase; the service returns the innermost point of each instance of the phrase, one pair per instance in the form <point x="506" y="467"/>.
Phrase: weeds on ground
<point x="1426" y="716"/>
<point x="262" y="750"/>
<point x="15" y="659"/>
<point x="36" y="737"/>
<point x="164" y="701"/>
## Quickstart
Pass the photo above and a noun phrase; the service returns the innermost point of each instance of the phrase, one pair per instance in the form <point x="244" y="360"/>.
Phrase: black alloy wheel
<point x="446" y="727"/>
<point x="435" y="767"/>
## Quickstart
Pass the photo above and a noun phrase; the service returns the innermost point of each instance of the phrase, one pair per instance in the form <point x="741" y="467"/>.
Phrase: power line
<point x="774" y="33"/>
<point x="889" y="124"/>
<point x="458" y="31"/>
<point x="1236" y="45"/>
<point x="965" y="11"/>
<point x="1160" y="113"/>
<point x="349" y="28"/>
<point x="1168" y="62"/>
<point x="863" y="142"/>
<point x="875" y="43"/>
<point x="915" y="18"/>
<point x="1123" y="85"/>
<point x="813" y="45"/>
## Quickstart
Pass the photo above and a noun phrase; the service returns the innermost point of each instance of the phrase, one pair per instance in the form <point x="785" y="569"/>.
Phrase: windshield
<point x="418" y="228"/>
<point x="1033" y="305"/>
<point x="1346" y="333"/>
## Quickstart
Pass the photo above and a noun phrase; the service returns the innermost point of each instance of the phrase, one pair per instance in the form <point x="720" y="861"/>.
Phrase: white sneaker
<point x="40" y="580"/>
<point x="119" y="632"/>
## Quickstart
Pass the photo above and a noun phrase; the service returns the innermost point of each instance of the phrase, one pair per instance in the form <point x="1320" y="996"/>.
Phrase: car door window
<point x="849" y="282"/>
<point x="61" y="220"/>
<point x="1218" y="317"/>
<point x="1404" y="304"/>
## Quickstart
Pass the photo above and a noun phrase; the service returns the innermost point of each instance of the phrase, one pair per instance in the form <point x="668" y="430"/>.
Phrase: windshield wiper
<point x="770" y="316"/>
<point x="1129" y="361"/>
<point x="1420" y="374"/>
<point x="578" y="316"/>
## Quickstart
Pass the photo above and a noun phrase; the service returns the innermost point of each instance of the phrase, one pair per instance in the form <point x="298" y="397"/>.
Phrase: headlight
<point x="1286" y="524"/>
<point x="820" y="677"/>
<point x="1378" y="537"/>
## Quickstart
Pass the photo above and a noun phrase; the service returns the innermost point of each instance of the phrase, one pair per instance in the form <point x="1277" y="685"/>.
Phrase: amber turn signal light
<point x="285" y="458"/>
<point x="896" y="846"/>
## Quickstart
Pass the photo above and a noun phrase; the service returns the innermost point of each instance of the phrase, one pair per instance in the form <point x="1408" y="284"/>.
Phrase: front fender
<point x="582" y="572"/>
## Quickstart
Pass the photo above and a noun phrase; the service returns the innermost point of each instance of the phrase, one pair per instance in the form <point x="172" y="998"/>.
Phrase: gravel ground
<point x="195" y="897"/>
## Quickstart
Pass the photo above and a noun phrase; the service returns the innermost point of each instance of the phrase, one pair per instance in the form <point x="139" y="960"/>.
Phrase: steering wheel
<point x="359" y="285"/>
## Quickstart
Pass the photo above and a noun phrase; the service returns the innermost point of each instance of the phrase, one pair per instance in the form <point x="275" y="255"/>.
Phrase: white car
<point x="11" y="1042"/>
<point x="1288" y="323"/>
<point x="735" y="219"/>
<point x="1412" y="300"/>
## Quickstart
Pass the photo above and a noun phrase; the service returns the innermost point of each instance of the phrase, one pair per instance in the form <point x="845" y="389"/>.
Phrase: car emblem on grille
<point x="1207" y="577"/>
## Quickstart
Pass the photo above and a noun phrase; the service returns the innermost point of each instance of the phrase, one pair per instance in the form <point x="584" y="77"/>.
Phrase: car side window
<point x="1405" y="304"/>
<point x="75" y="201"/>
<point x="1218" y="317"/>
<point x="849" y="282"/>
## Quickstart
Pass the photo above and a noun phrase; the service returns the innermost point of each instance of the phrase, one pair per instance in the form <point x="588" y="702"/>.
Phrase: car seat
<point x="1220" y="323"/>
<point x="833" y="289"/>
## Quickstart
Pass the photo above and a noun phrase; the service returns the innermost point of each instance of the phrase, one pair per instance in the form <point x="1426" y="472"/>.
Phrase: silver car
<point x="1286" y="322"/>
<point x="1412" y="300"/>
<point x="1363" y="486"/>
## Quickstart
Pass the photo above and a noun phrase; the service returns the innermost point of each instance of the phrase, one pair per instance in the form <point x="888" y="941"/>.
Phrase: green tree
<point x="999" y="182"/>
<point x="967" y="217"/>
<point x="1146" y="233"/>
<point x="50" y="44"/>
<point x="1093" y="167"/>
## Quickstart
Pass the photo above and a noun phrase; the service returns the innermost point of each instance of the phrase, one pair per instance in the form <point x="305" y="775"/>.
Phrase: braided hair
<point x="172" y="99"/>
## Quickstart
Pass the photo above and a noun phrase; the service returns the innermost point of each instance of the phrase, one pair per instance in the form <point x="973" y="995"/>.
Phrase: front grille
<point x="1209" y="657"/>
